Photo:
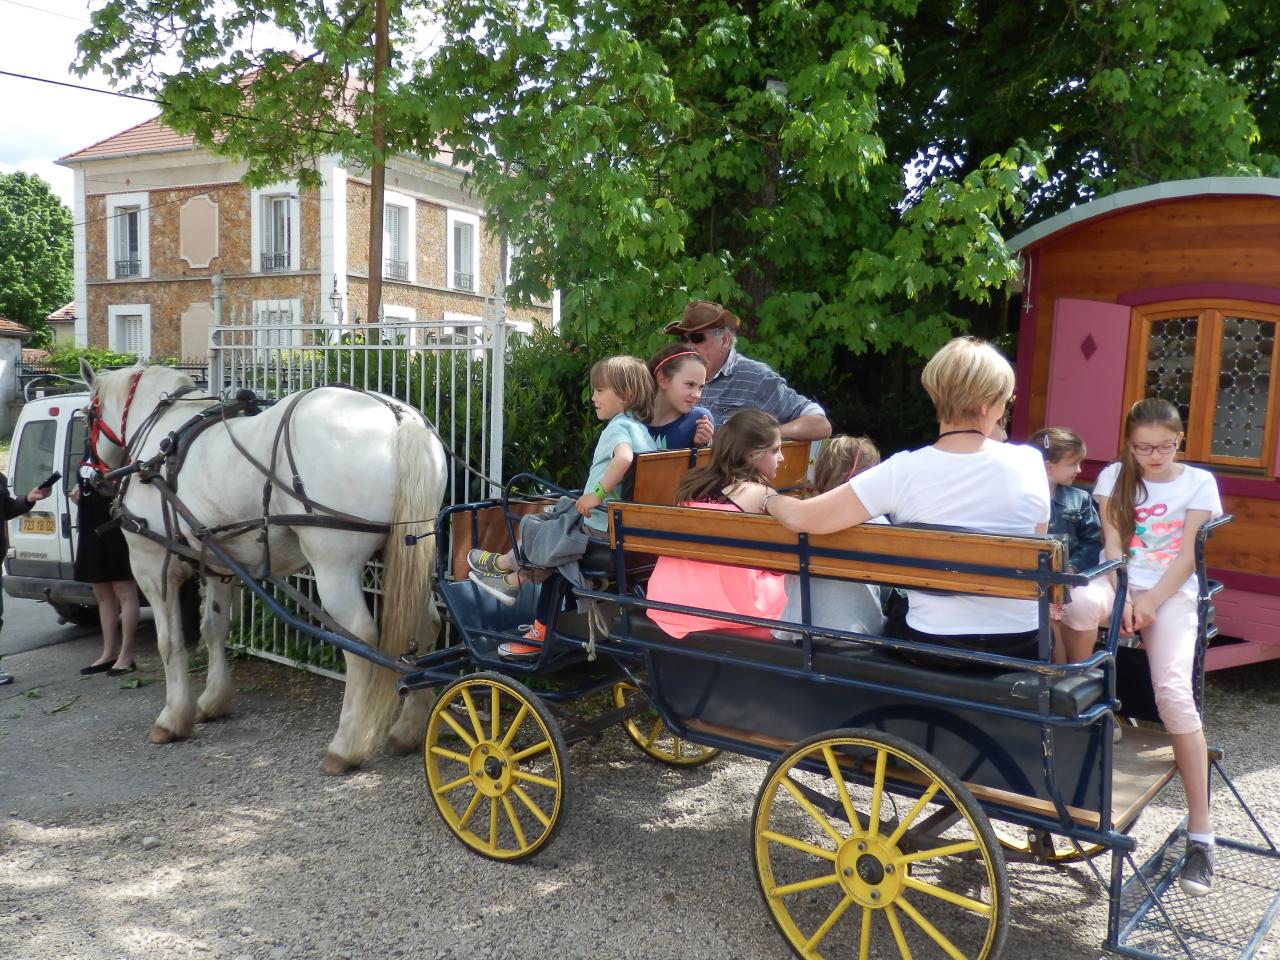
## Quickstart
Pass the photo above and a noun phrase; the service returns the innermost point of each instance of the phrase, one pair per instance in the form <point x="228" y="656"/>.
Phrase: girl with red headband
<point x="677" y="419"/>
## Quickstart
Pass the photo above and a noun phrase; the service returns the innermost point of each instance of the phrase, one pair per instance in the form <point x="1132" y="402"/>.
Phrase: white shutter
<point x="462" y="256"/>
<point x="132" y="336"/>
<point x="391" y="233"/>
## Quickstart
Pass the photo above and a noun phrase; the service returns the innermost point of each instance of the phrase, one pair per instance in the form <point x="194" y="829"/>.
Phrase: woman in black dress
<point x="102" y="560"/>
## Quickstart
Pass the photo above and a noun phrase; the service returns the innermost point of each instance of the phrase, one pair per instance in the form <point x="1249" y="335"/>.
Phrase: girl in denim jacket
<point x="1073" y="515"/>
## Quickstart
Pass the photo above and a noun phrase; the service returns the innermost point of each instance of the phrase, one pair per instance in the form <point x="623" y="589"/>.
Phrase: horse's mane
<point x="117" y="381"/>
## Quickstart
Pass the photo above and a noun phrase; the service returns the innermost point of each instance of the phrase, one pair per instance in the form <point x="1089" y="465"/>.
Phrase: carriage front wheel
<point x="496" y="766"/>
<point x="866" y="846"/>
<point x="655" y="738"/>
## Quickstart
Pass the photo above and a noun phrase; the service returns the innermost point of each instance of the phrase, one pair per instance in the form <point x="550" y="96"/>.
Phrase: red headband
<point x="683" y="353"/>
<point x="857" y="456"/>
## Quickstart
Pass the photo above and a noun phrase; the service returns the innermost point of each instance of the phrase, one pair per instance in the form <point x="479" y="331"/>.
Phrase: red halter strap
<point x="97" y="427"/>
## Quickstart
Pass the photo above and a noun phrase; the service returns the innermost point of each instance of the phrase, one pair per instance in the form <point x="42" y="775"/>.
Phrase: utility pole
<point x="378" y="172"/>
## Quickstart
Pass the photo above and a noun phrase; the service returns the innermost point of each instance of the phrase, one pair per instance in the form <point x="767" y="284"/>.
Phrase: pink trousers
<point x="1170" y="643"/>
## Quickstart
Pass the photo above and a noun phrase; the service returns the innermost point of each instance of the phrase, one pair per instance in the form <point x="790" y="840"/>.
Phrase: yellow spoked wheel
<point x="650" y="734"/>
<point x="1041" y="846"/>
<point x="496" y="766"/>
<point x="865" y="846"/>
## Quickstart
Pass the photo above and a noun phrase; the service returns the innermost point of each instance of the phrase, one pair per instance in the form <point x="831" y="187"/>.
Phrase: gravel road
<point x="233" y="845"/>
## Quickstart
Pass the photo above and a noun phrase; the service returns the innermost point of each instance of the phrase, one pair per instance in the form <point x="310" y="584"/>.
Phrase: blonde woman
<point x="963" y="479"/>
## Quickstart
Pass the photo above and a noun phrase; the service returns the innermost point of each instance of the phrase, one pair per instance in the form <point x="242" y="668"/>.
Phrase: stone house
<point x="156" y="217"/>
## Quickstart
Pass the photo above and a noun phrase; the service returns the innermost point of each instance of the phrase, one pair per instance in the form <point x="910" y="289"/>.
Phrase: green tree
<point x="35" y="250"/>
<point x="843" y="174"/>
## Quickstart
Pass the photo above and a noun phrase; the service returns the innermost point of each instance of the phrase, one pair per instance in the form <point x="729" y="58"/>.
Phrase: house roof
<point x="63" y="313"/>
<point x="34" y="355"/>
<point x="150" y="136"/>
<point x="10" y="328"/>
<point x="1140" y="196"/>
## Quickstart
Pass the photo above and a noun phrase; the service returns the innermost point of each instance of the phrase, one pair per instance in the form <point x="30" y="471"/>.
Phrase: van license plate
<point x="36" y="523"/>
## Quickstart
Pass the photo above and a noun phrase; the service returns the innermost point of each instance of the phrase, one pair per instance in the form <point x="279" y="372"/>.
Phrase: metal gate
<point x="451" y="369"/>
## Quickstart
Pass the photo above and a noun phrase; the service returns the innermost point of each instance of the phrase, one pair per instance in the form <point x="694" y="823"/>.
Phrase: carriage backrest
<point x="658" y="474"/>
<point x="900" y="556"/>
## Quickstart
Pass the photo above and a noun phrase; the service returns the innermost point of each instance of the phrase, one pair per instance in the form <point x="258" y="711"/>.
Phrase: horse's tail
<point x="406" y="580"/>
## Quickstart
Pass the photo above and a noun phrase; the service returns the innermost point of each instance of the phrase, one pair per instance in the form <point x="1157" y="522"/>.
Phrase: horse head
<point x="120" y="397"/>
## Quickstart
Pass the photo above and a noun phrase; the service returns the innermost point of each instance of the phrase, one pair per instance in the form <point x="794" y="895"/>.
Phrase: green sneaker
<point x="485" y="563"/>
<point x="497" y="587"/>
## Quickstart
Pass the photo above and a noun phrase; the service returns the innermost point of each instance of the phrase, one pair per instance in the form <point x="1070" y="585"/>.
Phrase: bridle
<point x="97" y="427"/>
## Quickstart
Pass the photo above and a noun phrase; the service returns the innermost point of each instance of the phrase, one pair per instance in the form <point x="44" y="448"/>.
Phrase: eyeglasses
<point x="1008" y="410"/>
<point x="1146" y="449"/>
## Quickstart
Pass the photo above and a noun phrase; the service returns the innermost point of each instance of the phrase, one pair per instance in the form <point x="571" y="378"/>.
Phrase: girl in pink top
<point x="744" y="460"/>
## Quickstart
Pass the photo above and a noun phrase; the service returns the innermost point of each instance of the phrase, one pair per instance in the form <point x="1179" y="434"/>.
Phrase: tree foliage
<point x="842" y="173"/>
<point x="35" y="250"/>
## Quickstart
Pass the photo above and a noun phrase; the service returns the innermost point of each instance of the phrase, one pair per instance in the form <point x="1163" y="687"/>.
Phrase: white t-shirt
<point x="1157" y="535"/>
<point x="1002" y="489"/>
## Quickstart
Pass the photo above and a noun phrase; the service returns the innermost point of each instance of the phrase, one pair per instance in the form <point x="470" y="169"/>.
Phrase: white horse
<point x="358" y="453"/>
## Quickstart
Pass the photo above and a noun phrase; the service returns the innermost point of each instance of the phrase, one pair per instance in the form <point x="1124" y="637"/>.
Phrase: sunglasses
<point x="699" y="335"/>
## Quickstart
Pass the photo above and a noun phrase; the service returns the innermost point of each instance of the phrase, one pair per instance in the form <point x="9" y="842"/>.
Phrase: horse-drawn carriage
<point x="903" y="779"/>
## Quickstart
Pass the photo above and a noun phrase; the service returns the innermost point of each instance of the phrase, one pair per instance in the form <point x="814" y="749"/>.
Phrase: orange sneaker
<point x="536" y="635"/>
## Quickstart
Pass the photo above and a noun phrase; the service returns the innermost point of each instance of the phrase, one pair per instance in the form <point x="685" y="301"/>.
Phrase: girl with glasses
<point x="1152" y="506"/>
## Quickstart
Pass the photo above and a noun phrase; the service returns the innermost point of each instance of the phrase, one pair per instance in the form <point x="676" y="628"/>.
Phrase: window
<point x="34" y="454"/>
<point x="1215" y="362"/>
<point x="127" y="242"/>
<point x="398" y="228"/>
<point x="276" y="326"/>
<point x="128" y="252"/>
<point x="129" y="329"/>
<point x="398" y="325"/>
<point x="275" y="229"/>
<point x="463" y="251"/>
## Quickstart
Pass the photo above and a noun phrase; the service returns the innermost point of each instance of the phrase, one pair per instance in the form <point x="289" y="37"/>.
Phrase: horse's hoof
<point x="336" y="766"/>
<point x="400" y="748"/>
<point x="202" y="717"/>
<point x="161" y="734"/>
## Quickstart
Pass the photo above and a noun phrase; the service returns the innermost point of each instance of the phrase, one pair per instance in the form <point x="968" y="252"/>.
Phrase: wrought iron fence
<point x="275" y="262"/>
<point x="128" y="268"/>
<point x="453" y="372"/>
<point x="396" y="270"/>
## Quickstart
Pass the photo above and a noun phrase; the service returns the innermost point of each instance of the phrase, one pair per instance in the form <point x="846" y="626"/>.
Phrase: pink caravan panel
<point x="1086" y="372"/>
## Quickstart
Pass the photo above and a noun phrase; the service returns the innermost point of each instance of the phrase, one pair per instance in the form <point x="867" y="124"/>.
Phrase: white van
<point x="49" y="436"/>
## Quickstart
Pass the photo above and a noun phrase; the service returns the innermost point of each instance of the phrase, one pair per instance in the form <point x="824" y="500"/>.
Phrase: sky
<point x="40" y="122"/>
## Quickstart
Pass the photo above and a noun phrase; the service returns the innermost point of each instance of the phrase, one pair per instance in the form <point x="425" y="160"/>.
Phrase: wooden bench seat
<point x="901" y="556"/>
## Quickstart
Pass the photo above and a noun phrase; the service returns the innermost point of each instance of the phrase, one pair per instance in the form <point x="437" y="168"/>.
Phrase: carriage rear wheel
<point x="866" y="846"/>
<point x="496" y="766"/>
<point x="655" y="738"/>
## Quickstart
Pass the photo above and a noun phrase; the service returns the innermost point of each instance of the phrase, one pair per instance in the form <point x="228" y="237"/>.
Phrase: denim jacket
<point x="1075" y="516"/>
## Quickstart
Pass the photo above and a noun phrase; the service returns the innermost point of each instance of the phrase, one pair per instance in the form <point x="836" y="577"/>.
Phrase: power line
<point x="52" y="13"/>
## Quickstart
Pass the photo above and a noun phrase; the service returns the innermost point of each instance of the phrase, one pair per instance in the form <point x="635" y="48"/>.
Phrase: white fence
<point x="450" y="369"/>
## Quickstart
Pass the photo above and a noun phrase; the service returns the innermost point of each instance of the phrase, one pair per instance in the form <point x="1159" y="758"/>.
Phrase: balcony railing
<point x="128" y="268"/>
<point x="396" y="270"/>
<point x="275" y="262"/>
<point x="463" y="281"/>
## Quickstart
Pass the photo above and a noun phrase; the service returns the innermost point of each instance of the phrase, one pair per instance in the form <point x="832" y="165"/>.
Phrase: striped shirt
<point x="743" y="382"/>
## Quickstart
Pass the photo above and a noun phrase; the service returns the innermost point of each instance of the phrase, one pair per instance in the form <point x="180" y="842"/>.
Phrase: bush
<point x="550" y="427"/>
<point x="66" y="357"/>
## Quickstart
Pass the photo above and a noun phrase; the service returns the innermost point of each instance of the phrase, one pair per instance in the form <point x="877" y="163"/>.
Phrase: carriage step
<point x="1230" y="923"/>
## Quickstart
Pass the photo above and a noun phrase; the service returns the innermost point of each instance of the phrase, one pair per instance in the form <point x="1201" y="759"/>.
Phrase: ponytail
<point x="1129" y="492"/>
